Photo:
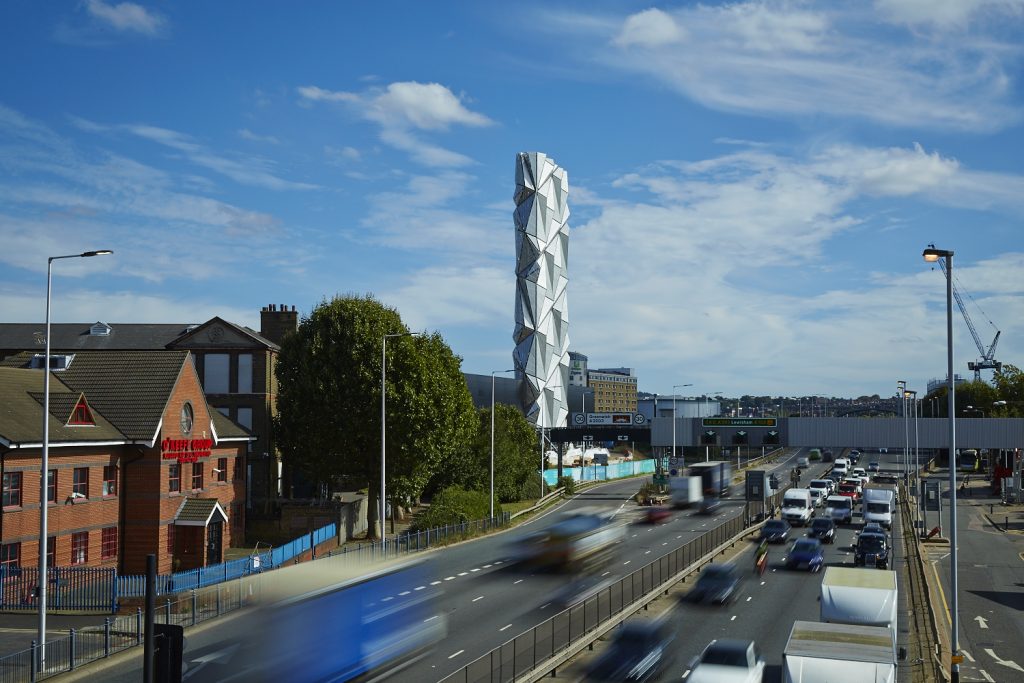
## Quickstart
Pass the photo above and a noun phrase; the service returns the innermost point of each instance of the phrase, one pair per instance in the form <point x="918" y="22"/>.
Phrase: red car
<point x="657" y="514"/>
<point x="849" y="490"/>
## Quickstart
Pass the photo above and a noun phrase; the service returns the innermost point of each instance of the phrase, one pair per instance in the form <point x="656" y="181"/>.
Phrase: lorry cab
<point x="840" y="508"/>
<point x="797" y="506"/>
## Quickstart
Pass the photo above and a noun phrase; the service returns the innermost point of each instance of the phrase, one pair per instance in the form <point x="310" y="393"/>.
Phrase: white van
<point x="840" y="509"/>
<point x="828" y="485"/>
<point x="797" y="506"/>
<point x="841" y="467"/>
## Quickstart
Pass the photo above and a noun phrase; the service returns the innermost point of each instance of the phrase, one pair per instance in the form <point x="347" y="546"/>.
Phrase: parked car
<point x="716" y="584"/>
<point x="640" y="652"/>
<point x="872" y="550"/>
<point x="775" y="531"/>
<point x="806" y="552"/>
<point x="823" y="529"/>
<point x="728" y="661"/>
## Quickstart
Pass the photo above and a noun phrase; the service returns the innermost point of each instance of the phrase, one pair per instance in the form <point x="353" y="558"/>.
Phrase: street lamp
<point x="972" y="409"/>
<point x="674" y="387"/>
<point x="901" y="391"/>
<point x="932" y="255"/>
<point x="909" y="394"/>
<point x="45" y="464"/>
<point x="383" y="421"/>
<point x="493" y="373"/>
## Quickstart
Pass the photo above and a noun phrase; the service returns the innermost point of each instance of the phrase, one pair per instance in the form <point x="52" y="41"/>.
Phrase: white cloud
<point x="126" y="16"/>
<point x="652" y="28"/>
<point x="404" y="107"/>
<point x="946" y="14"/>
<point x="805" y="59"/>
<point x="247" y="134"/>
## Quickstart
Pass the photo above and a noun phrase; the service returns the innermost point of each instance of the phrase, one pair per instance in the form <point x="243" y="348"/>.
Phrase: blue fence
<point x="616" y="470"/>
<point x="68" y="588"/>
<point x="135" y="586"/>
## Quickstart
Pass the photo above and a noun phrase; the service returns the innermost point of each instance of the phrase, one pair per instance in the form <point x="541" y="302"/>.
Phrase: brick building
<point x="139" y="463"/>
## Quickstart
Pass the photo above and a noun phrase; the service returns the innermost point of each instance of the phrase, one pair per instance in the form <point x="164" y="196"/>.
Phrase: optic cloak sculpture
<point x="541" y="355"/>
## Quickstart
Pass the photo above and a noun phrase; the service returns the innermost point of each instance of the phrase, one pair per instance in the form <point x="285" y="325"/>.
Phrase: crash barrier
<point x="189" y="607"/>
<point x="547" y="498"/>
<point x="615" y="470"/>
<point x="532" y="653"/>
<point x="919" y="591"/>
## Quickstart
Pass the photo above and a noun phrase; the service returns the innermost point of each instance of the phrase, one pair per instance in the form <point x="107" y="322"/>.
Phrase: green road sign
<point x="661" y="480"/>
<point x="739" y="422"/>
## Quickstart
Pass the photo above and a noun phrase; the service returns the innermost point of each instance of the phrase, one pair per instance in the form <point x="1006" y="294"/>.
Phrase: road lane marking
<point x="472" y="570"/>
<point x="390" y="597"/>
<point x="762" y="583"/>
<point x="478" y="598"/>
<point x="500" y="562"/>
<point x="456" y="654"/>
<point x="942" y="593"/>
<point x="646" y="553"/>
<point x="665" y="543"/>
<point x="486" y="566"/>
<point x="542" y="606"/>
<point x="460" y="573"/>
<point x="967" y="654"/>
<point x="987" y="677"/>
<point x="431" y="618"/>
<point x="513" y="583"/>
<point x="1005" y="662"/>
<point x="504" y="627"/>
<point x="733" y="616"/>
<point x="685" y="673"/>
<point x="419" y="588"/>
<point x="626" y="562"/>
<point x="602" y="575"/>
<point x="982" y="622"/>
<point x="432" y="583"/>
<point x="447" y="578"/>
<point x="749" y="597"/>
<point x="402" y="593"/>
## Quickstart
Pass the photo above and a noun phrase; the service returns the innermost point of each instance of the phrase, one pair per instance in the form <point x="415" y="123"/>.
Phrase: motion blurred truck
<point x="686" y="491"/>
<point x="821" y="653"/>
<point x="716" y="476"/>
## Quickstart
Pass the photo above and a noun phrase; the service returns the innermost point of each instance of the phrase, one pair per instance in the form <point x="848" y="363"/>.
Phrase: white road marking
<point x="677" y="537"/>
<point x="685" y="673"/>
<point x="500" y="562"/>
<point x="626" y="562"/>
<point x="478" y="598"/>
<point x="449" y="578"/>
<point x="513" y="583"/>
<point x="486" y="566"/>
<point x="542" y="606"/>
<point x="431" y="618"/>
<point x="733" y="616"/>
<point x="460" y="573"/>
<point x="472" y="570"/>
<point x="432" y="583"/>
<point x="499" y="630"/>
<point x="402" y="593"/>
<point x="646" y="553"/>
<point x="762" y="583"/>
<point x="456" y="654"/>
<point x="665" y="543"/>
<point x="1005" y="662"/>
<point x="390" y="597"/>
<point x="749" y="597"/>
<point x="419" y="588"/>
<point x="602" y="575"/>
<point x="633" y="536"/>
<point x="987" y="677"/>
<point x="967" y="654"/>
<point x="980" y="619"/>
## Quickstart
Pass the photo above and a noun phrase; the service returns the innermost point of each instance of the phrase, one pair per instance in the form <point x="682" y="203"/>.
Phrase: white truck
<point x="864" y="597"/>
<point x="822" y="653"/>
<point x="797" y="506"/>
<point x="878" y="506"/>
<point x="686" y="491"/>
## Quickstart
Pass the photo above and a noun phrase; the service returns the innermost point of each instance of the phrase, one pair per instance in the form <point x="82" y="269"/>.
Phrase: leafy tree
<point x="329" y="399"/>
<point x="1009" y="386"/>
<point x="454" y="505"/>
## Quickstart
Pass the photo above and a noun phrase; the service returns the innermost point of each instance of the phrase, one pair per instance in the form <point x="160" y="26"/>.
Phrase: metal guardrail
<point x="68" y="588"/>
<point x="536" y="650"/>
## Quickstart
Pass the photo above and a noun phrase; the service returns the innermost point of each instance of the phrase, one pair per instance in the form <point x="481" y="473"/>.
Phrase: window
<point x="237" y="474"/>
<point x="80" y="547"/>
<point x="81" y="415"/>
<point x="245" y="373"/>
<point x="245" y="419"/>
<point x="215" y="373"/>
<point x="222" y="469"/>
<point x="10" y="556"/>
<point x="170" y="539"/>
<point x="110" y="480"/>
<point x="174" y="478"/>
<point x="51" y="551"/>
<point x="108" y="543"/>
<point x="51" y="486"/>
<point x="80" y="489"/>
<point x="12" y="489"/>
<point x="197" y="476"/>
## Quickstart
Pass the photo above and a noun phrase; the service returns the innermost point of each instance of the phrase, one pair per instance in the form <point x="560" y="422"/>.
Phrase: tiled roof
<point x="21" y="411"/>
<point x="76" y="337"/>
<point x="226" y="429"/>
<point x="187" y="340"/>
<point x="199" y="512"/>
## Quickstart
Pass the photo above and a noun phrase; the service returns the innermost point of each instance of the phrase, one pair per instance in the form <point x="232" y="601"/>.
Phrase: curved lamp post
<point x="932" y="255"/>
<point x="45" y="463"/>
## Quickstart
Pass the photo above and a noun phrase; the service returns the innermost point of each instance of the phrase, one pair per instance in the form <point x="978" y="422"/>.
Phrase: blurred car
<point x="639" y="652"/>
<point x="874" y="528"/>
<point x="823" y="529"/>
<point x="579" y="590"/>
<point x="716" y="584"/>
<point x="657" y="513"/>
<point x="775" y="531"/>
<point x="874" y="467"/>
<point x="728" y="661"/>
<point x="806" y="552"/>
<point x="872" y="550"/>
<point x="817" y="497"/>
<point x="827" y="456"/>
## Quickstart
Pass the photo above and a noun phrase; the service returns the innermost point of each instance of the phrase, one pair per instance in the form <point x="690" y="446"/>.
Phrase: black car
<point x="717" y="584"/>
<point x="823" y="529"/>
<point x="872" y="550"/>
<point x="775" y="531"/>
<point x="638" y="653"/>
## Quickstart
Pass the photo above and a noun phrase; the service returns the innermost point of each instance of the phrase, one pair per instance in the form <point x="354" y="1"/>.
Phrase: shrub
<point x="454" y="505"/>
<point x="568" y="484"/>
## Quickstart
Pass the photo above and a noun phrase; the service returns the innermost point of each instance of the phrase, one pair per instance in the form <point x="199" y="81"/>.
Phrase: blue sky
<point x="751" y="184"/>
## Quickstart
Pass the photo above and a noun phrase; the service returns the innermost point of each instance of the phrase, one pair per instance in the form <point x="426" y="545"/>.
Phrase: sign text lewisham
<point x="739" y="422"/>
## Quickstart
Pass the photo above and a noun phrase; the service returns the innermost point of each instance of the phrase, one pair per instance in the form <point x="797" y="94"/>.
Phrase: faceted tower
<point x="541" y="355"/>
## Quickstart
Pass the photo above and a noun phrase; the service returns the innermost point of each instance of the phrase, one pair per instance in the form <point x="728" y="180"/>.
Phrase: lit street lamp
<point x="45" y="464"/>
<point x="932" y="255"/>
<point x="383" y="423"/>
<point x="493" y="373"/>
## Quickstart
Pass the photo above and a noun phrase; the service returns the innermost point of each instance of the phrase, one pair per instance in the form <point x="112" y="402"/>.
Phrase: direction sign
<point x="661" y="480"/>
<point x="739" y="422"/>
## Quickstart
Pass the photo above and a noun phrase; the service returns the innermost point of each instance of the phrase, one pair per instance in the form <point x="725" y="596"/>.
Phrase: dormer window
<point x="100" y="329"/>
<point x="81" y="415"/>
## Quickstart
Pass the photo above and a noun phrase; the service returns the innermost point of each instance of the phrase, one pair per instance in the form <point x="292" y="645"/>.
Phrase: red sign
<point x="185" y="450"/>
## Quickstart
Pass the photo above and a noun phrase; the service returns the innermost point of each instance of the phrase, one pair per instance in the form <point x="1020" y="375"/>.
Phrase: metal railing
<point x="68" y="588"/>
<point x="533" y="652"/>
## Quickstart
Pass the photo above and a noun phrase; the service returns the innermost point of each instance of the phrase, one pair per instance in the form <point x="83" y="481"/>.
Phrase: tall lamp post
<point x="911" y="403"/>
<point x="45" y="464"/>
<point x="932" y="255"/>
<point x="383" y="421"/>
<point x="674" y="387"/>
<point x="493" y="373"/>
<point x="901" y="391"/>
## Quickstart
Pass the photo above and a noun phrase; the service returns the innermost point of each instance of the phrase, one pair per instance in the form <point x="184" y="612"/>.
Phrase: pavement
<point x="18" y="630"/>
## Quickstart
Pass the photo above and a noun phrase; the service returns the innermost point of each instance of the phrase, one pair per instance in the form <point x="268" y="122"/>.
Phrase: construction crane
<point x="988" y="360"/>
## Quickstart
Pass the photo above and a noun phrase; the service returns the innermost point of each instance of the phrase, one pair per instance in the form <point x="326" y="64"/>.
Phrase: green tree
<point x="1009" y="387"/>
<point x="329" y="397"/>
<point x="516" y="458"/>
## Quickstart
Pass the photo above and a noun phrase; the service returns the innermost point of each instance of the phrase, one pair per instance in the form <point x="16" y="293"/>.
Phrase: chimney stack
<point x="277" y="322"/>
